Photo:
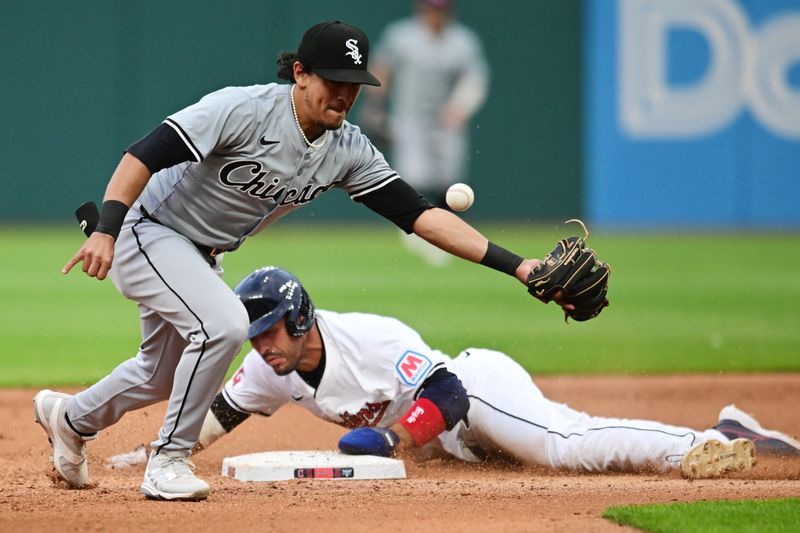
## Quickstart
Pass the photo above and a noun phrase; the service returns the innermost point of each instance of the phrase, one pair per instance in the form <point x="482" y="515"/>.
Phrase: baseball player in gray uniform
<point x="434" y="78"/>
<point x="437" y="77"/>
<point x="196" y="187"/>
<point x="377" y="376"/>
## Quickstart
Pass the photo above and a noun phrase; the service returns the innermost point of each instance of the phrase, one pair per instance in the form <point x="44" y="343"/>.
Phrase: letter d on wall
<point x="648" y="106"/>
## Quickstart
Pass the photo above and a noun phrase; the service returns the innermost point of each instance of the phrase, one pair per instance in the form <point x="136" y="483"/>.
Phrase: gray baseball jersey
<point x="427" y="67"/>
<point x="252" y="166"/>
<point x="429" y="73"/>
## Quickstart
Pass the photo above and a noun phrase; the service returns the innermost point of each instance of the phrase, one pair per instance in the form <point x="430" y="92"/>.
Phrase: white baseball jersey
<point x="373" y="367"/>
<point x="252" y="166"/>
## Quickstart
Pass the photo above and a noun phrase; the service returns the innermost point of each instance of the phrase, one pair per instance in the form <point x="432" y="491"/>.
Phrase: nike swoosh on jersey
<point x="264" y="142"/>
<point x="297" y="397"/>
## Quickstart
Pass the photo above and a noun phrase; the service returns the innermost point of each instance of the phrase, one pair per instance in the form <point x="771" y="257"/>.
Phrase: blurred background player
<point x="377" y="376"/>
<point x="434" y="79"/>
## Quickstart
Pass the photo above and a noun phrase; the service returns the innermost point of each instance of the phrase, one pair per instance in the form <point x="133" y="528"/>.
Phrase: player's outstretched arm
<point x="452" y="234"/>
<point x="445" y="230"/>
<point x="441" y="404"/>
<point x="125" y="186"/>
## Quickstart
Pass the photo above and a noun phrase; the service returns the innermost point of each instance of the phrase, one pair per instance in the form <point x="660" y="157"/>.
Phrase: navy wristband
<point x="112" y="215"/>
<point x="501" y="259"/>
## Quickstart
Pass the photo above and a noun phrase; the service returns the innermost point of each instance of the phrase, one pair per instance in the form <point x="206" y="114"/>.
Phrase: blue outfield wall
<point x="692" y="113"/>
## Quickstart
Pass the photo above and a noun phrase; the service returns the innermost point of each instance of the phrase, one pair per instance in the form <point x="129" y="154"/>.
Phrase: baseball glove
<point x="572" y="274"/>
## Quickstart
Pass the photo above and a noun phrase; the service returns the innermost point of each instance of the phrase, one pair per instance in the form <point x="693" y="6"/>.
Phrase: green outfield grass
<point x="679" y="303"/>
<point x="756" y="516"/>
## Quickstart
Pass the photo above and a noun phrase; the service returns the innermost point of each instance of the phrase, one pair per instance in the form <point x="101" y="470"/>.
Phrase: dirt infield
<point x="437" y="496"/>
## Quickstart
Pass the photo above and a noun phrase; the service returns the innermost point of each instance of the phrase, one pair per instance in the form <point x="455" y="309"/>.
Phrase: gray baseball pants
<point x="193" y="325"/>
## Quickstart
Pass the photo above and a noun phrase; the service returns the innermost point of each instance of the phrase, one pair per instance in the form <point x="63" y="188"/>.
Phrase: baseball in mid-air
<point x="460" y="197"/>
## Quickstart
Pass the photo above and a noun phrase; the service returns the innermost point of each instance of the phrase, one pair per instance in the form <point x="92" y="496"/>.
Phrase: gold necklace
<point x="297" y="121"/>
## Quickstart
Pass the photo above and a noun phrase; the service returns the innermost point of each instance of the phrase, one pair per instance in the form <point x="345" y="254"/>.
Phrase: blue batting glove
<point x="369" y="441"/>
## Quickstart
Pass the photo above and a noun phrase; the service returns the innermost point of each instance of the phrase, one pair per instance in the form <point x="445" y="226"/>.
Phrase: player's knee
<point x="230" y="326"/>
<point x="238" y="325"/>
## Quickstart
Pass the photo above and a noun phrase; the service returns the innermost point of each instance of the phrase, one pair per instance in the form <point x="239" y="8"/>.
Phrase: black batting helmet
<point x="271" y="293"/>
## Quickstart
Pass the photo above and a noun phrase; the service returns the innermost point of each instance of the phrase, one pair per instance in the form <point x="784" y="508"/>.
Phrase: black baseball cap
<point x="337" y="52"/>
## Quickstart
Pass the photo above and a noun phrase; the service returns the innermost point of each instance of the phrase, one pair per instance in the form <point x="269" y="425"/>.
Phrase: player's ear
<point x="300" y="74"/>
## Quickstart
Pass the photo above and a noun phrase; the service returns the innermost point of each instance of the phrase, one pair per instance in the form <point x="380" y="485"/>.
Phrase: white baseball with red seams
<point x="460" y="197"/>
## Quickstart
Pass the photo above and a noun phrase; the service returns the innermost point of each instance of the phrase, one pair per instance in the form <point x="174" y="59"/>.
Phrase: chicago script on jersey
<point x="250" y="177"/>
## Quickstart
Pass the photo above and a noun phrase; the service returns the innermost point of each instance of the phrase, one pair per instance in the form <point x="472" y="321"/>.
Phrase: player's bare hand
<point x="558" y="299"/>
<point x="525" y="268"/>
<point x="97" y="254"/>
<point x="453" y="117"/>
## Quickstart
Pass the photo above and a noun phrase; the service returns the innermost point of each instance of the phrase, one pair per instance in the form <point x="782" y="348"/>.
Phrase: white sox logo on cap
<point x="354" y="53"/>
<point x="321" y="50"/>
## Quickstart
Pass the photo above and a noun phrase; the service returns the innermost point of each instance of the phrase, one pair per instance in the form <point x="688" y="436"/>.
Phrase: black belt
<point x="208" y="251"/>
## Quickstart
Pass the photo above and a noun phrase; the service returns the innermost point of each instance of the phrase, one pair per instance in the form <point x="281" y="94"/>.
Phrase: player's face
<point x="279" y="350"/>
<point x="328" y="102"/>
<point x="434" y="17"/>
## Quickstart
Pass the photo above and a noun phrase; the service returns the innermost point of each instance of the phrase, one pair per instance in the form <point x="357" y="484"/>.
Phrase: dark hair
<point x="286" y="66"/>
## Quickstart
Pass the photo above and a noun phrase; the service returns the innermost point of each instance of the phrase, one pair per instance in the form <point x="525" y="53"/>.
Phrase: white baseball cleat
<point x="714" y="458"/>
<point x="69" y="448"/>
<point x="170" y="476"/>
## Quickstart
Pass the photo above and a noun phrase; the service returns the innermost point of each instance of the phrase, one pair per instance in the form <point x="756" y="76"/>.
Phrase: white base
<point x="279" y="466"/>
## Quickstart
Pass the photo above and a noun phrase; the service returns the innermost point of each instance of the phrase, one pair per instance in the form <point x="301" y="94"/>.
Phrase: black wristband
<point x="226" y="415"/>
<point x="501" y="259"/>
<point x="112" y="215"/>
